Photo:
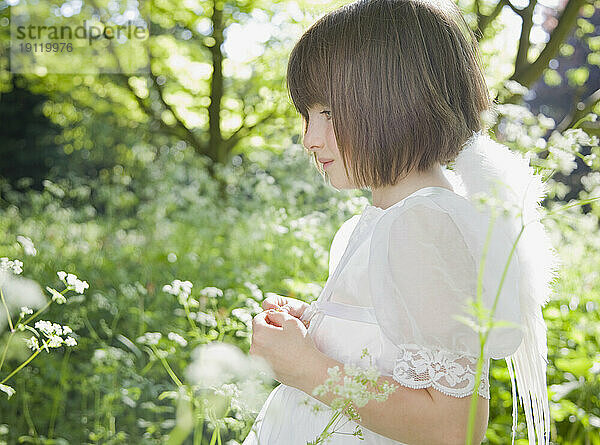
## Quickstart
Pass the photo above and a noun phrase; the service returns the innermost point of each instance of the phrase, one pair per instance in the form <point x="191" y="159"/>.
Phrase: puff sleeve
<point x="340" y="242"/>
<point x="422" y="273"/>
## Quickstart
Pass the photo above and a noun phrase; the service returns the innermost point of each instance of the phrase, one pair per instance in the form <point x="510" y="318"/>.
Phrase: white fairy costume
<point x="400" y="277"/>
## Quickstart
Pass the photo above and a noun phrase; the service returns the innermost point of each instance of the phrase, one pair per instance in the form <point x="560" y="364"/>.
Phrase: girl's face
<point x="320" y="139"/>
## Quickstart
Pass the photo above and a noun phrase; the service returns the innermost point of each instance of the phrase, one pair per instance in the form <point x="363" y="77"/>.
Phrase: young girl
<point x="392" y="91"/>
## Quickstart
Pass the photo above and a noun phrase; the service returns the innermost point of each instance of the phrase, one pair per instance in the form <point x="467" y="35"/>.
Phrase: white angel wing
<point x="487" y="167"/>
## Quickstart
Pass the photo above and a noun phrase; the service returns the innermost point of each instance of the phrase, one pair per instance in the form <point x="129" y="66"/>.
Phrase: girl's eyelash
<point x="327" y="112"/>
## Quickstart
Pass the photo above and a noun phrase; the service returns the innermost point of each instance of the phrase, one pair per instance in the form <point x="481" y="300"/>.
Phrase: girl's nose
<point x="313" y="138"/>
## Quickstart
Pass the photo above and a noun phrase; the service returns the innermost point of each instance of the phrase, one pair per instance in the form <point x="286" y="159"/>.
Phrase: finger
<point x="282" y="318"/>
<point x="262" y="322"/>
<point x="273" y="300"/>
<point x="259" y="319"/>
<point x="271" y="317"/>
<point x="269" y="304"/>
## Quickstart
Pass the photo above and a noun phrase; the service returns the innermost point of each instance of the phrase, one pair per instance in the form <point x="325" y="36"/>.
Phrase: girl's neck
<point x="385" y="197"/>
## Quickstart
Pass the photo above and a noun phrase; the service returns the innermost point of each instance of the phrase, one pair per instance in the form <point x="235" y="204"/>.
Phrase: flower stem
<point x="7" y="312"/>
<point x="38" y="312"/>
<point x="189" y="317"/>
<point x="21" y="366"/>
<point x="167" y="367"/>
<point x="6" y="348"/>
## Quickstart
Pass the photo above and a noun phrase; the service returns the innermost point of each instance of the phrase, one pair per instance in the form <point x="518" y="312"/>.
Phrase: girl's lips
<point x="326" y="164"/>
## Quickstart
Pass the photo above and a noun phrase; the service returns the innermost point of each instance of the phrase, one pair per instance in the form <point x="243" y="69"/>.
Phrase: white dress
<point x="397" y="277"/>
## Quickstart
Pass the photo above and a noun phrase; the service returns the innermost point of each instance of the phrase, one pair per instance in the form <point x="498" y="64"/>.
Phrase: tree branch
<point x="190" y="136"/>
<point x="517" y="11"/>
<point x="588" y="105"/>
<point x="527" y="73"/>
<point x="524" y="42"/>
<point x="483" y="21"/>
<point x="243" y="130"/>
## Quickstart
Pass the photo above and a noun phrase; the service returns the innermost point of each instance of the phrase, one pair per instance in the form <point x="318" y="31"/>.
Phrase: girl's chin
<point x="340" y="185"/>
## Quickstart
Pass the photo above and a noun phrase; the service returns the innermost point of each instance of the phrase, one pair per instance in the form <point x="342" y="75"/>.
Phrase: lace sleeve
<point x="422" y="277"/>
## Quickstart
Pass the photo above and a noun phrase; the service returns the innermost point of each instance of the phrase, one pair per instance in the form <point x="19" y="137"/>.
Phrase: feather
<point x="486" y="167"/>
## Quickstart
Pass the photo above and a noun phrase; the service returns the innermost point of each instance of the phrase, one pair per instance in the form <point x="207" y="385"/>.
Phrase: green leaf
<point x="578" y="76"/>
<point x="577" y="366"/>
<point x="552" y="78"/>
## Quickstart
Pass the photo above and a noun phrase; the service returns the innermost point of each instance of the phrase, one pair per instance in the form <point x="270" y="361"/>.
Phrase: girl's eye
<point x="327" y="113"/>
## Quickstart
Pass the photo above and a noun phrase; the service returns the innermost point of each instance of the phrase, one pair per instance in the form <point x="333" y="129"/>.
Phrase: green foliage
<point x="129" y="232"/>
<point x="134" y="229"/>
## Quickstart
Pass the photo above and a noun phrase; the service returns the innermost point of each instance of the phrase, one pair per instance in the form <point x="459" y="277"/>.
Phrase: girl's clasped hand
<point x="281" y="338"/>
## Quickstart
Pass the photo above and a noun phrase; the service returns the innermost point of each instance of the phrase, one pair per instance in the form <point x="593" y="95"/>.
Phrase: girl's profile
<point x="391" y="94"/>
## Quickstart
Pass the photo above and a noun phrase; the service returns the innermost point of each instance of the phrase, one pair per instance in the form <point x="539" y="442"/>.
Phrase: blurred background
<point x="192" y="169"/>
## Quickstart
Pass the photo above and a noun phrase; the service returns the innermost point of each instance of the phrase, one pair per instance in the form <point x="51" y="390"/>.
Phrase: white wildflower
<point x="71" y="279"/>
<point x="17" y="267"/>
<point x="57" y="329"/>
<point x="80" y="286"/>
<point x="334" y="373"/>
<point x="73" y="282"/>
<point x="25" y="311"/>
<point x="9" y="392"/>
<point x="56" y="296"/>
<point x="218" y="362"/>
<point x="14" y="266"/>
<point x="351" y="370"/>
<point x="354" y="390"/>
<point x="181" y="289"/>
<point x="243" y="315"/>
<point x="256" y="292"/>
<point x="53" y="333"/>
<point x="253" y="305"/>
<point x="32" y="343"/>
<point x="55" y="341"/>
<point x="228" y="390"/>
<point x="206" y="319"/>
<point x="45" y="327"/>
<point x="150" y="338"/>
<point x="212" y="292"/>
<point x="177" y="338"/>
<point x="70" y="341"/>
<point x="27" y="245"/>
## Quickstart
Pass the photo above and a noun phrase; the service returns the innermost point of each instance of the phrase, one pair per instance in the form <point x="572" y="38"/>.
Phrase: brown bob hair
<point x="404" y="82"/>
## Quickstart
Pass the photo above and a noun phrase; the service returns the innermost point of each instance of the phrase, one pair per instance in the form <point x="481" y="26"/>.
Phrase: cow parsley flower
<point x="181" y="289"/>
<point x="150" y="338"/>
<point x="352" y="390"/>
<point x="177" y="338"/>
<point x="70" y="341"/>
<point x="32" y="343"/>
<point x="27" y="245"/>
<point x="55" y="341"/>
<point x="81" y="286"/>
<point x="45" y="327"/>
<point x="212" y="292"/>
<point x="53" y="333"/>
<point x="25" y="311"/>
<point x="73" y="282"/>
<point x="206" y="319"/>
<point x="9" y="390"/>
<point x="243" y="315"/>
<point x="14" y="266"/>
